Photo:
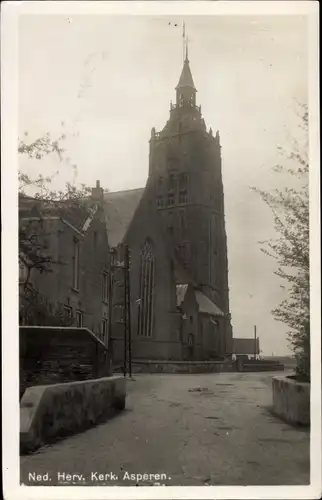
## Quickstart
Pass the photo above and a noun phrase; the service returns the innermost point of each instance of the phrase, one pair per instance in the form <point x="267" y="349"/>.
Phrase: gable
<point x="119" y="209"/>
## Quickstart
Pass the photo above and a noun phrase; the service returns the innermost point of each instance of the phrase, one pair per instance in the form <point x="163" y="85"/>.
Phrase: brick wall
<point x="164" y="342"/>
<point x="56" y="355"/>
<point x="57" y="286"/>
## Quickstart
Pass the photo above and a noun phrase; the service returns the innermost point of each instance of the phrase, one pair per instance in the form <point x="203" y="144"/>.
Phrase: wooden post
<point x="125" y="312"/>
<point x="128" y="307"/>
<point x="110" y="302"/>
<point x="255" y="342"/>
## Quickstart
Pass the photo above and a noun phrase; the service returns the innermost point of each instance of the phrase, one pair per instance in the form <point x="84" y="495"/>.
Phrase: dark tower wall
<point x="186" y="177"/>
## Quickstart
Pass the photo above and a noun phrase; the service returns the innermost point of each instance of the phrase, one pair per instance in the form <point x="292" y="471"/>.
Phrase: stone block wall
<point x="258" y="365"/>
<point x="180" y="366"/>
<point x="51" y="412"/>
<point x="291" y="400"/>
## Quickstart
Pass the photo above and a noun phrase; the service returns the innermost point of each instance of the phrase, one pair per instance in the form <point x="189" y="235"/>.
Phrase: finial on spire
<point x="187" y="47"/>
<point x="185" y="42"/>
<point x="183" y="39"/>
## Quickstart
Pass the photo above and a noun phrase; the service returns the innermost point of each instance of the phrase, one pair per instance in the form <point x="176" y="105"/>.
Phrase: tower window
<point x="170" y="200"/>
<point x="159" y="201"/>
<point x="171" y="182"/>
<point x="183" y="181"/>
<point x="183" y="197"/>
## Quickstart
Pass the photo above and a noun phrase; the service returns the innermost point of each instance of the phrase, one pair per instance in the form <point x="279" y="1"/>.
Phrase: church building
<point x="175" y="232"/>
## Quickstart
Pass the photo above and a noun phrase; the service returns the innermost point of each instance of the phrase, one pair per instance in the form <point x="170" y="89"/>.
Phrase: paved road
<point x="196" y="429"/>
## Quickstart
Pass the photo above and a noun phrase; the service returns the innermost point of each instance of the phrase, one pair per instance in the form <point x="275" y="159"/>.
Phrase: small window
<point x="191" y="319"/>
<point x="170" y="230"/>
<point x="119" y="314"/>
<point x="68" y="312"/>
<point x="75" y="264"/>
<point x="79" y="319"/>
<point x="104" y="327"/>
<point x="105" y="287"/>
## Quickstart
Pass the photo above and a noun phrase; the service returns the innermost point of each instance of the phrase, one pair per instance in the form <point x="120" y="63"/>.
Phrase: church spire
<point x="186" y="79"/>
<point x="186" y="90"/>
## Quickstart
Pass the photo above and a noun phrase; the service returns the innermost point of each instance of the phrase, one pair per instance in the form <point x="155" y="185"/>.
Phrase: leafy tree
<point x="42" y="146"/>
<point x="290" y="209"/>
<point x="35" y="309"/>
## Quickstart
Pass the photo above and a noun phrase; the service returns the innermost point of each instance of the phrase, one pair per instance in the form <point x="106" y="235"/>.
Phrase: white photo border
<point x="9" y="200"/>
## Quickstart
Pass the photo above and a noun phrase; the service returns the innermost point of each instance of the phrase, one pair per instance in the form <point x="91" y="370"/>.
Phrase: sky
<point x="105" y="81"/>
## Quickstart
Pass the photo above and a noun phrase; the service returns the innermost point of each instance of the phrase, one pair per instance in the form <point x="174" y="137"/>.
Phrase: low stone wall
<point x="164" y="366"/>
<point x="291" y="400"/>
<point x="258" y="365"/>
<point x="54" y="411"/>
<point x="180" y="366"/>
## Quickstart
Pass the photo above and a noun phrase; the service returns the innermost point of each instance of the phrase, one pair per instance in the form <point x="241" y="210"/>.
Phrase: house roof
<point x="206" y="305"/>
<point x="77" y="213"/>
<point x="119" y="208"/>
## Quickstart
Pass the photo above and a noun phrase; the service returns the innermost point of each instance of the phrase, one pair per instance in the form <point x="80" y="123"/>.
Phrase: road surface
<point x="212" y="429"/>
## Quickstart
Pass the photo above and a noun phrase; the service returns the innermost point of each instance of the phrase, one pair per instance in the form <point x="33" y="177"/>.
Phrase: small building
<point x="64" y="264"/>
<point x="245" y="347"/>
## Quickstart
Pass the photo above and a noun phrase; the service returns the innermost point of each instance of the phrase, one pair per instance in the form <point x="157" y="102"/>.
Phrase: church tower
<point x="185" y="175"/>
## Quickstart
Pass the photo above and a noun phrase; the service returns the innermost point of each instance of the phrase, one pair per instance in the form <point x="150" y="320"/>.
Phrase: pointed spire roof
<point x="186" y="79"/>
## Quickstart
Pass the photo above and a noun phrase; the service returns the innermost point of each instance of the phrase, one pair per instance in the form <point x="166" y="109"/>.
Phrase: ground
<point x="196" y="429"/>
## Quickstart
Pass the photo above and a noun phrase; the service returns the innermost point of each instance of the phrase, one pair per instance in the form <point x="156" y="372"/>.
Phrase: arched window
<point x="145" y="325"/>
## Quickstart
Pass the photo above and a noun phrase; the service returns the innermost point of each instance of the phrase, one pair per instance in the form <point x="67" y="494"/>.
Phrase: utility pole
<point x="116" y="265"/>
<point x="110" y="300"/>
<point x="255" y="342"/>
<point x="128" y="306"/>
<point x="127" y="314"/>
